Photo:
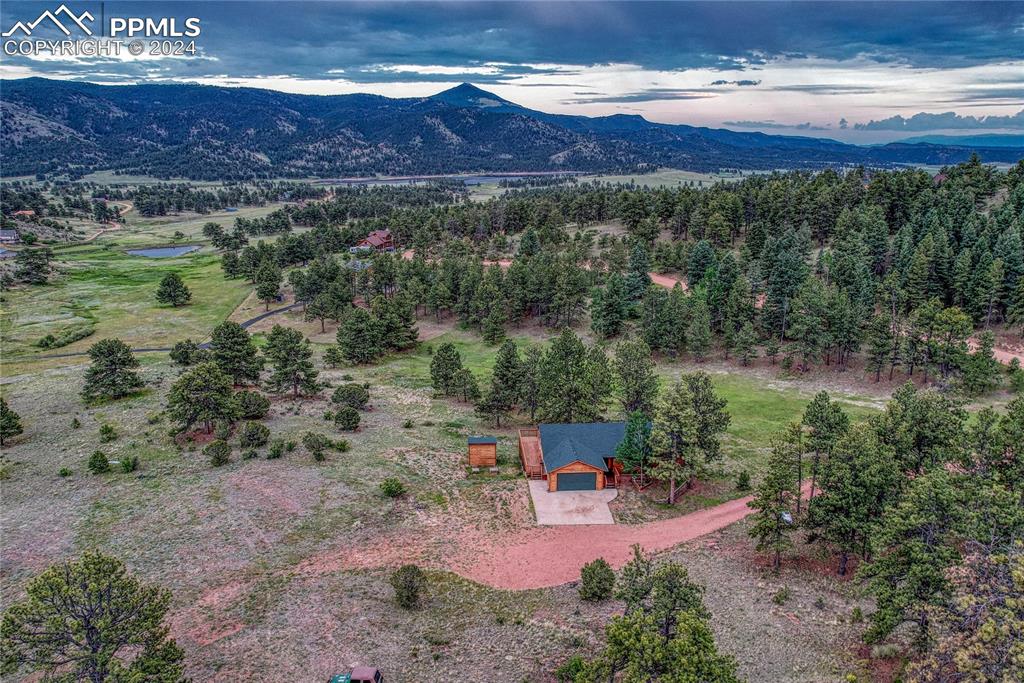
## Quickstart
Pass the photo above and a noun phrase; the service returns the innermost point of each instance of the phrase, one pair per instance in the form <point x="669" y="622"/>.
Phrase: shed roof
<point x="482" y="439"/>
<point x="589" y="443"/>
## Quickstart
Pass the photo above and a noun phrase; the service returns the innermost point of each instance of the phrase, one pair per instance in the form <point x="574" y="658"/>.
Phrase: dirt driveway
<point x="561" y="508"/>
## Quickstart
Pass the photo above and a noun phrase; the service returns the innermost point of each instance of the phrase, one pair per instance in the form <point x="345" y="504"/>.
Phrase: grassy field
<point x="104" y="289"/>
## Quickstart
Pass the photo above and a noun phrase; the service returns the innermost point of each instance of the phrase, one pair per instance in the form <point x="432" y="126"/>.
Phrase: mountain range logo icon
<point x="70" y="17"/>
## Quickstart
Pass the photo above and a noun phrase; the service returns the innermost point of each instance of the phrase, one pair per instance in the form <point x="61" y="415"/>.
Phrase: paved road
<point x="205" y="345"/>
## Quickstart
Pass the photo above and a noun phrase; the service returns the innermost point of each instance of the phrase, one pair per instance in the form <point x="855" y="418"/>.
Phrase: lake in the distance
<point x="164" y="252"/>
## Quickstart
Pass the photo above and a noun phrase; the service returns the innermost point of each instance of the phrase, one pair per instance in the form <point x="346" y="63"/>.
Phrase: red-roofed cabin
<point x="26" y="213"/>
<point x="378" y="240"/>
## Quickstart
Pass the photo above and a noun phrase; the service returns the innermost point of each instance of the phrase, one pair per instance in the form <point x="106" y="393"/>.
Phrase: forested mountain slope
<point x="205" y="132"/>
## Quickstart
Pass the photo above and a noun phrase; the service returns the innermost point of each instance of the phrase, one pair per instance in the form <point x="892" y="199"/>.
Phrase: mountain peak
<point x="469" y="95"/>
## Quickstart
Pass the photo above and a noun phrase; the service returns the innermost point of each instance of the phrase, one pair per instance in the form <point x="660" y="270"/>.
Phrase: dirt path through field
<point x="1004" y="356"/>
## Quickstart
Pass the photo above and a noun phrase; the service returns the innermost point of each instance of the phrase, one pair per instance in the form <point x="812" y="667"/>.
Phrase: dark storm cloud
<point x="740" y="83"/>
<point x="945" y="121"/>
<point x="309" y="40"/>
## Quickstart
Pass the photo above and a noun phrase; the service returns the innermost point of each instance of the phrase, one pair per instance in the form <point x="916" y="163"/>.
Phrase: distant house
<point x="573" y="457"/>
<point x="24" y="213"/>
<point x="378" y="240"/>
<point x="9" y="236"/>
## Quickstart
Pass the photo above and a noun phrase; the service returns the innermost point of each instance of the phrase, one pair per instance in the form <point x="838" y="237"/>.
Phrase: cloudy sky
<point x="857" y="71"/>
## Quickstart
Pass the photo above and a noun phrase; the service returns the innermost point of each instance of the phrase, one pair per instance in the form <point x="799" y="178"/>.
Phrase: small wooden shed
<point x="483" y="451"/>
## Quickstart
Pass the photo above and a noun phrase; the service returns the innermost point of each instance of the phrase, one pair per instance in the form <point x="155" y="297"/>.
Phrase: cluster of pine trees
<point x="911" y="495"/>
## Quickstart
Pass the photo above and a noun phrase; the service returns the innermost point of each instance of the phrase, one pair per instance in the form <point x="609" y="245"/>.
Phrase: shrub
<point x="98" y="463"/>
<point x="107" y="433"/>
<point x="857" y="615"/>
<point x="596" y="580"/>
<point x="252" y="405"/>
<point x="346" y="419"/>
<point x="289" y="446"/>
<point x="184" y="352"/>
<point x="64" y="472"/>
<point x="249" y="454"/>
<point x="352" y="395"/>
<point x="408" y="424"/>
<point x="342" y="446"/>
<point x="328" y="415"/>
<point x="75" y="424"/>
<point x="392" y="488"/>
<point x="408" y="582"/>
<point x="570" y="669"/>
<point x="316" y="443"/>
<point x="333" y="357"/>
<point x="222" y="431"/>
<point x="276" y="449"/>
<point x="743" y="481"/>
<point x="253" y="435"/>
<point x="886" y="651"/>
<point x="781" y="596"/>
<point x="129" y="463"/>
<point x="219" y="452"/>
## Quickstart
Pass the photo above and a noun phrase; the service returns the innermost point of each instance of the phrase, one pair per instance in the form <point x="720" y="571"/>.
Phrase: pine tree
<point x="634" y="451"/>
<point x="572" y="383"/>
<point x="1015" y="306"/>
<point x="702" y="257"/>
<point x="395" y="321"/>
<point x="529" y="381"/>
<point x="506" y="381"/>
<point x="290" y="357"/>
<point x="235" y="354"/>
<point x="917" y="546"/>
<point x="635" y="376"/>
<point x="268" y="282"/>
<point x="359" y="337"/>
<point x="443" y="368"/>
<point x="95" y="595"/>
<point x="857" y="481"/>
<point x="610" y="307"/>
<point x="112" y="372"/>
<point x="202" y="394"/>
<point x="172" y="290"/>
<point x="464" y="384"/>
<point x="674" y="438"/>
<point x="826" y="423"/>
<point x="10" y="422"/>
<point x="637" y="279"/>
<point x="773" y="505"/>
<point x="746" y="344"/>
<point x="879" y="344"/>
<point x="981" y="370"/>
<point x="709" y="414"/>
<point x="698" y="335"/>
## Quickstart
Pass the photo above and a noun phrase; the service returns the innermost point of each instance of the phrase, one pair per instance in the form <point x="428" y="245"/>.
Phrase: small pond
<point x="164" y="252"/>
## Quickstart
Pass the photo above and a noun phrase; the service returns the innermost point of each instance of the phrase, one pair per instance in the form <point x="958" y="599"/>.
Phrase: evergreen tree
<point x="202" y="394"/>
<point x="635" y="377"/>
<point x="89" y="620"/>
<point x="610" y="307"/>
<point x="443" y="368"/>
<point x="112" y="372"/>
<point x="826" y="423"/>
<point x="1015" y="307"/>
<point x="746" y="344"/>
<point x="268" y="282"/>
<point x="880" y="344"/>
<point x="857" y="482"/>
<point x="917" y="546"/>
<point x="773" y="505"/>
<point x="674" y="438"/>
<point x="698" y="334"/>
<point x="465" y="385"/>
<point x="395" y="322"/>
<point x="290" y="357"/>
<point x="809" y="321"/>
<point x="572" y="383"/>
<point x="637" y="279"/>
<point x="10" y="422"/>
<point x="981" y="370"/>
<point x="702" y="258"/>
<point x="359" y="337"/>
<point x="506" y="381"/>
<point x="634" y="451"/>
<point x="710" y="416"/>
<point x="172" y="290"/>
<point x="529" y="380"/>
<point x="235" y="354"/>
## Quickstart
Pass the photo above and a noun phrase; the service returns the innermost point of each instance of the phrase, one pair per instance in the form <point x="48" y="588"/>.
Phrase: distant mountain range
<point x="984" y="140"/>
<point x="214" y="133"/>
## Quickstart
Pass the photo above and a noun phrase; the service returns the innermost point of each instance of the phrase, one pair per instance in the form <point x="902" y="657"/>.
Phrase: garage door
<point x="577" y="481"/>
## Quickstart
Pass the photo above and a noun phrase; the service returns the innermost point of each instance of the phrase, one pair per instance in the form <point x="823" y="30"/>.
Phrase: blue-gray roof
<point x="482" y="439"/>
<point x="589" y="443"/>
